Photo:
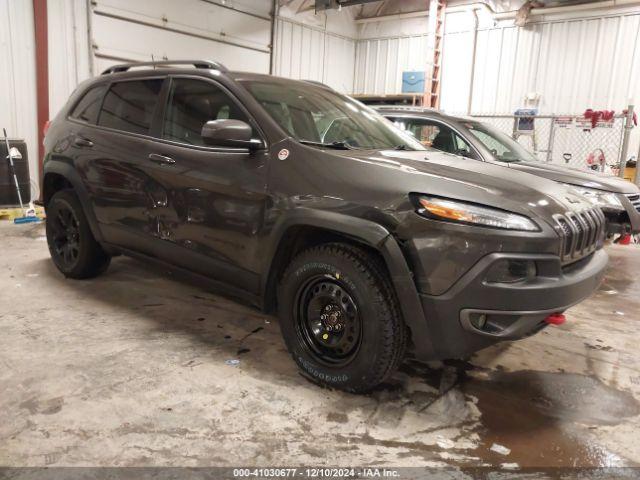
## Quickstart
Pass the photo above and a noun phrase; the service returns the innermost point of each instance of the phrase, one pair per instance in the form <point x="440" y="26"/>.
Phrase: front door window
<point x="192" y="103"/>
<point x="436" y="135"/>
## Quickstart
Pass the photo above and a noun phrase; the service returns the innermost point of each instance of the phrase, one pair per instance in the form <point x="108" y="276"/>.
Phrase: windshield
<point x="503" y="147"/>
<point x="321" y="117"/>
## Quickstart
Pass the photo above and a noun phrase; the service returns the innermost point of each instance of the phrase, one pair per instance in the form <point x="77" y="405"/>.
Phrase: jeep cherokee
<point x="303" y="201"/>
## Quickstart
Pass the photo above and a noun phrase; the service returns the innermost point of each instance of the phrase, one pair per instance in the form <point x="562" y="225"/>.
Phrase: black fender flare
<point x="378" y="237"/>
<point x="71" y="175"/>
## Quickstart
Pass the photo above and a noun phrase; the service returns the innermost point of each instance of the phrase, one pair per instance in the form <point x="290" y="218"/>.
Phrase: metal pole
<point x="636" y="180"/>
<point x="550" y="144"/>
<point x="628" y="125"/>
<point x="41" y="42"/>
<point x="90" y="38"/>
<point x="274" y="14"/>
<point x="13" y="168"/>
<point x="473" y="60"/>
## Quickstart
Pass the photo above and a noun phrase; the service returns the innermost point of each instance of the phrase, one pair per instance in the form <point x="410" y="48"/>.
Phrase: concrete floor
<point x="130" y="369"/>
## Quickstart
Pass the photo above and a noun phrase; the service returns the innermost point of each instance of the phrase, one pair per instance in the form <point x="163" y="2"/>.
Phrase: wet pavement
<point x="138" y="368"/>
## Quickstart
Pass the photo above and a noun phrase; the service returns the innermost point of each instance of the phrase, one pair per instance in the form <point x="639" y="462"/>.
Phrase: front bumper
<point x="511" y="310"/>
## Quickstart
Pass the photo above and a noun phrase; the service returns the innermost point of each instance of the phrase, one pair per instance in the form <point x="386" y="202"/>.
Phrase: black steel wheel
<point x="340" y="318"/>
<point x="73" y="248"/>
<point x="327" y="320"/>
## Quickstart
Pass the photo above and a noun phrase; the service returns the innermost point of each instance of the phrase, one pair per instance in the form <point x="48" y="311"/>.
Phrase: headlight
<point x="462" y="212"/>
<point x="598" y="197"/>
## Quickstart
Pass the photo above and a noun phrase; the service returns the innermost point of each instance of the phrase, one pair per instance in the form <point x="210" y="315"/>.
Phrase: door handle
<point x="82" y="142"/>
<point x="161" y="159"/>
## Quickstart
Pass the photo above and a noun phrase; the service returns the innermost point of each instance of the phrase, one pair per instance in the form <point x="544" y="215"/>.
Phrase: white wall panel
<point x="68" y="50"/>
<point x="573" y="65"/>
<point x="456" y="70"/>
<point x="331" y="21"/>
<point x="312" y="53"/>
<point x="125" y="30"/>
<point x="405" y="27"/>
<point x="381" y="61"/>
<point x="17" y="77"/>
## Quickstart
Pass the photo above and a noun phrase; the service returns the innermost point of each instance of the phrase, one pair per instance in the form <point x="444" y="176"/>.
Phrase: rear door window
<point x="130" y="106"/>
<point x="88" y="107"/>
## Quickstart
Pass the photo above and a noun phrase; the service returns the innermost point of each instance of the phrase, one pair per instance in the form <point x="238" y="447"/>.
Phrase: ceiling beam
<point x="333" y="4"/>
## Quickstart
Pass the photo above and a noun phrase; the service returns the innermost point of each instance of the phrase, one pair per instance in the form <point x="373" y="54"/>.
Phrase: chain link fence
<point x="570" y="140"/>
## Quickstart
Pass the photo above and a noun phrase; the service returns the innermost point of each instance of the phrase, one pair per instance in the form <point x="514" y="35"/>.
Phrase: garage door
<point x="237" y="33"/>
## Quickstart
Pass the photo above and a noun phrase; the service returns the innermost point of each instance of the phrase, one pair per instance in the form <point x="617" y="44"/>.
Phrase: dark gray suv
<point x="302" y="201"/>
<point x="470" y="138"/>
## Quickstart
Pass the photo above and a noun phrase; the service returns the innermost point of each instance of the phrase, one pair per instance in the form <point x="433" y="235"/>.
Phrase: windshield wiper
<point x="402" y="146"/>
<point x="335" y="145"/>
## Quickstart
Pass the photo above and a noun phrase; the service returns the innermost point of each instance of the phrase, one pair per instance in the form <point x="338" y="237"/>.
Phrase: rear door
<point x="117" y="154"/>
<point x="210" y="200"/>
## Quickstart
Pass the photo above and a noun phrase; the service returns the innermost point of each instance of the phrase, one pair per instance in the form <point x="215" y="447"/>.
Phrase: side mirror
<point x="229" y="133"/>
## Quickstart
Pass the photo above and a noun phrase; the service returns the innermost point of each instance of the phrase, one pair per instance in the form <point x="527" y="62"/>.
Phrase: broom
<point x="24" y="218"/>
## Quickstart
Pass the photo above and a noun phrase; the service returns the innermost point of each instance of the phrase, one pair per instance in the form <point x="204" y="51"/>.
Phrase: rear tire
<point x="73" y="248"/>
<point x="340" y="318"/>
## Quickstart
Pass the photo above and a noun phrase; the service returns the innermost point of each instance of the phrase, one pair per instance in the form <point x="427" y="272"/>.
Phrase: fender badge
<point x="283" y="154"/>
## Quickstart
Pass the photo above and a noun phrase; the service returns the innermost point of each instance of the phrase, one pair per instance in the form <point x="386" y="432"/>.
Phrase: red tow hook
<point x="555" y="319"/>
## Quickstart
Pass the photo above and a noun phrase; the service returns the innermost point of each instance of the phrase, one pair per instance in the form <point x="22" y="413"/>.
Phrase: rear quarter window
<point x="129" y="106"/>
<point x="88" y="107"/>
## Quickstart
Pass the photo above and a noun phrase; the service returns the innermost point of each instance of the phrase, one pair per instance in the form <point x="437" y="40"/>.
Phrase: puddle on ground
<point x="537" y="415"/>
<point x="525" y="411"/>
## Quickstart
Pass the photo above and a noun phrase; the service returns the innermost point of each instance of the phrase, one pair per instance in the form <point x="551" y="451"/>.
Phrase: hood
<point x="575" y="176"/>
<point x="442" y="174"/>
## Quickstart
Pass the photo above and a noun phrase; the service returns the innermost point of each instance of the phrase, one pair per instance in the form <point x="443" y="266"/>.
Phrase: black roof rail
<point x="123" y="67"/>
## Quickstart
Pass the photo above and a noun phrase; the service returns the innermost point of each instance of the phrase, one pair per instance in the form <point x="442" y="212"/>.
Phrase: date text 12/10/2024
<point x="315" y="473"/>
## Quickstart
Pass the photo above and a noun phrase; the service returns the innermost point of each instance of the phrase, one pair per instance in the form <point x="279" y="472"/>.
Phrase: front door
<point x="210" y="204"/>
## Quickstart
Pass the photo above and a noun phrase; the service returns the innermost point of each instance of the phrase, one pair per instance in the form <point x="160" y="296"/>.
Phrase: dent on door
<point x="210" y="203"/>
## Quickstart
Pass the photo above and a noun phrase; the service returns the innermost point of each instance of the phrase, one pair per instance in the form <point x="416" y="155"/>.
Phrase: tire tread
<point x="373" y="271"/>
<point x="93" y="259"/>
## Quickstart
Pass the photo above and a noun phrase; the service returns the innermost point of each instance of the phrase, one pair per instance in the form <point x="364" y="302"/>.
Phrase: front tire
<point x="74" y="250"/>
<point x="340" y="317"/>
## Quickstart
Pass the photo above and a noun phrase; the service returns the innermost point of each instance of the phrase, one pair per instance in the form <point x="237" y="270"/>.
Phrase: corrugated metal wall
<point x="312" y="53"/>
<point x="380" y="62"/>
<point x="17" y="76"/>
<point x="574" y="64"/>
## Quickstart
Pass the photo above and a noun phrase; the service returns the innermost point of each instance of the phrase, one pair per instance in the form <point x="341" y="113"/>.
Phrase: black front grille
<point x="581" y="233"/>
<point x="634" y="198"/>
<point x="566" y="230"/>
